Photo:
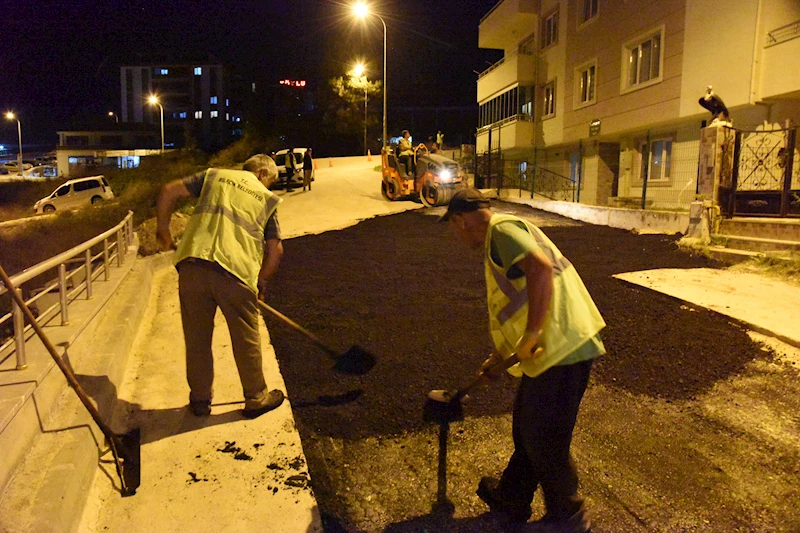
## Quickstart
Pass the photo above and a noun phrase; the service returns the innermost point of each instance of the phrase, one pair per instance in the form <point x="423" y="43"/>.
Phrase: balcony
<point x="780" y="74"/>
<point x="514" y="134"/>
<point x="513" y="68"/>
<point x="508" y="23"/>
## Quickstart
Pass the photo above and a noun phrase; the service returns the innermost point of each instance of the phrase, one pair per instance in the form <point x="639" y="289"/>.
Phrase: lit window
<point x="659" y="158"/>
<point x="253" y="87"/>
<point x="550" y="29"/>
<point x="213" y="99"/>
<point x="586" y="84"/>
<point x="198" y="71"/>
<point x="642" y="61"/>
<point x="549" y="97"/>
<point x="162" y="71"/>
<point x="227" y="102"/>
<point x="198" y="114"/>
<point x="214" y="114"/>
<point x="227" y="116"/>
<point x="183" y="114"/>
<point x="588" y="10"/>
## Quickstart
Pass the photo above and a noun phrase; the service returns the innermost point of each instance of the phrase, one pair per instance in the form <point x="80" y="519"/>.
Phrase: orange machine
<point x="433" y="178"/>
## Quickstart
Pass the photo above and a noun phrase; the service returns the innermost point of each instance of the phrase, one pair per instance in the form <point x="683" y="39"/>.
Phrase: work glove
<point x="527" y="346"/>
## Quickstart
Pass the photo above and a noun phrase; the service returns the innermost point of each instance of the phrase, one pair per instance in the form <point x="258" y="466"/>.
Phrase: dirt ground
<point x="689" y="423"/>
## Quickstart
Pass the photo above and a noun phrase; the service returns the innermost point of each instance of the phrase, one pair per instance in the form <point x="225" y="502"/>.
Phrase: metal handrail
<point x="111" y="251"/>
<point x="522" y="117"/>
<point x="783" y="34"/>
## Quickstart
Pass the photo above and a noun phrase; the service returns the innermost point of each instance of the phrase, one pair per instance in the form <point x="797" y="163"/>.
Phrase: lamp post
<point x="112" y="114"/>
<point x="153" y="100"/>
<point x="362" y="11"/>
<point x="11" y="116"/>
<point x="358" y="71"/>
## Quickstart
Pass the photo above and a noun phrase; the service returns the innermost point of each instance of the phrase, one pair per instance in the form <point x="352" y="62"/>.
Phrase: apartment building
<point x="201" y="101"/>
<point x="603" y="91"/>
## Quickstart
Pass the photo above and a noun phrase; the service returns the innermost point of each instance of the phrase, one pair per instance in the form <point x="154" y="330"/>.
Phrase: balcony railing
<point x="783" y="34"/>
<point x="115" y="242"/>
<point x="523" y="117"/>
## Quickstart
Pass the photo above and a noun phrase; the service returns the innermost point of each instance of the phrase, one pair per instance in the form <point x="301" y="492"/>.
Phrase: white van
<point x="76" y="193"/>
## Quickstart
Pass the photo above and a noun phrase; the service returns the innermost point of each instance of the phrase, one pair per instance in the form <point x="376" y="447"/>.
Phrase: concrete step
<point x="757" y="244"/>
<point x="783" y="229"/>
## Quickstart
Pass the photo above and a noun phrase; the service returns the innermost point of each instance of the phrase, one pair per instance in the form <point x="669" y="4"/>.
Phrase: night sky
<point x="59" y="60"/>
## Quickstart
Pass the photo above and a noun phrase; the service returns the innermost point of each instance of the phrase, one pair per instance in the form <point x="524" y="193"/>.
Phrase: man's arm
<point x="170" y="193"/>
<point x="538" y="272"/>
<point x="273" y="251"/>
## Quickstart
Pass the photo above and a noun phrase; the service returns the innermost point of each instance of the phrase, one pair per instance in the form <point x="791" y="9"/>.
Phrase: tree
<point x="345" y="109"/>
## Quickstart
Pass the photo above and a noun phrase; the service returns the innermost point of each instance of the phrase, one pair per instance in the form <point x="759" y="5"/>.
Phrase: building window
<point x="198" y="71"/>
<point x="659" y="159"/>
<point x="182" y="114"/>
<point x="213" y="99"/>
<point x="549" y="100"/>
<point x="642" y="61"/>
<point x="588" y="10"/>
<point x="510" y="104"/>
<point x="528" y="46"/>
<point x="550" y="29"/>
<point x="586" y="84"/>
<point x="198" y="114"/>
<point x="213" y="114"/>
<point x="227" y="116"/>
<point x="227" y="102"/>
<point x="161" y="71"/>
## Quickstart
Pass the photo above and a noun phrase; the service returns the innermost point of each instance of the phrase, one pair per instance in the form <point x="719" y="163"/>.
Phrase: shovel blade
<point x="129" y="448"/>
<point x="356" y="361"/>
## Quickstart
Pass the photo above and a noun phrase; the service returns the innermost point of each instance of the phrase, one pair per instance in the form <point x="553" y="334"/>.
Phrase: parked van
<point x="76" y="193"/>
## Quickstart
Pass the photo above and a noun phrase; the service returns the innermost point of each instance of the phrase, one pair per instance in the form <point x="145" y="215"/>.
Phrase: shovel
<point x="126" y="447"/>
<point x="445" y="406"/>
<point x="356" y="360"/>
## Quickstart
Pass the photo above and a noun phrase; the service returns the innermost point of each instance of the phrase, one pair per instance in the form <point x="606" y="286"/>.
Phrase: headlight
<point x="445" y="175"/>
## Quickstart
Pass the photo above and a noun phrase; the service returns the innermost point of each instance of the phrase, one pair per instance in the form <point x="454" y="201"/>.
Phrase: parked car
<point x="280" y="162"/>
<point x="13" y="167"/>
<point x="3" y="171"/>
<point x="76" y="193"/>
<point x="41" y="171"/>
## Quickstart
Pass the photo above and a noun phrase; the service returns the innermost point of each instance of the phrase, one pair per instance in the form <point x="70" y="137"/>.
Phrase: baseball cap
<point x="464" y="201"/>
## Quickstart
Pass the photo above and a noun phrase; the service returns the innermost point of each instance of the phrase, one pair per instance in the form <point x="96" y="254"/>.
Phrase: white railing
<point x="783" y="34"/>
<point x="121" y="236"/>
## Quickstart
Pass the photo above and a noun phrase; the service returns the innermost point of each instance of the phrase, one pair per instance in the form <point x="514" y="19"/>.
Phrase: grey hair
<point x="262" y="162"/>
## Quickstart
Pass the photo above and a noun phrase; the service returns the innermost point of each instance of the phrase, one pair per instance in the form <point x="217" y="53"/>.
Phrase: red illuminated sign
<point x="293" y="83"/>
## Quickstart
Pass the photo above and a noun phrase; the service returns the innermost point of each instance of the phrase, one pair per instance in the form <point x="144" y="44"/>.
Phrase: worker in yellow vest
<point x="229" y="251"/>
<point x="539" y="309"/>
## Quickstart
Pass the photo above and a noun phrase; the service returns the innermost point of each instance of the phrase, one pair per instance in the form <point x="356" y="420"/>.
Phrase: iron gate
<point x="765" y="179"/>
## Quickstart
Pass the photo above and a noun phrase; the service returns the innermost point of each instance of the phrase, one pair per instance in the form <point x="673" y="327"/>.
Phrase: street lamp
<point x="153" y="100"/>
<point x="362" y="11"/>
<point x="11" y="116"/>
<point x="358" y="71"/>
<point x="112" y="114"/>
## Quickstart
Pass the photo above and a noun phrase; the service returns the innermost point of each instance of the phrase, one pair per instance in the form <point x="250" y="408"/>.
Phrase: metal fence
<point x="89" y="260"/>
<point x="493" y="171"/>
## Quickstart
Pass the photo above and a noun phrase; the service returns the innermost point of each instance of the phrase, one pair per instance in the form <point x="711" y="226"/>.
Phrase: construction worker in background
<point x="540" y="310"/>
<point x="290" y="166"/>
<point x="406" y="152"/>
<point x="440" y="139"/>
<point x="229" y="251"/>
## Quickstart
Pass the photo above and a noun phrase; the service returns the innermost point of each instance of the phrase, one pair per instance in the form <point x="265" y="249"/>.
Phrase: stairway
<point x="759" y="236"/>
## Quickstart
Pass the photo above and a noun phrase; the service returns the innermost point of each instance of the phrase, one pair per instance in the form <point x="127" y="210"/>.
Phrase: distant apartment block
<point x="204" y="102"/>
<point x="605" y="92"/>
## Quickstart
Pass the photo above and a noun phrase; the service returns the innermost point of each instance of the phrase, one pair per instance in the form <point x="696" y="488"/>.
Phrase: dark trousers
<point x="545" y="411"/>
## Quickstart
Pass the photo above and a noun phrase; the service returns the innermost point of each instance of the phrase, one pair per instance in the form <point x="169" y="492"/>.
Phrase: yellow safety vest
<point x="227" y="226"/>
<point x="572" y="319"/>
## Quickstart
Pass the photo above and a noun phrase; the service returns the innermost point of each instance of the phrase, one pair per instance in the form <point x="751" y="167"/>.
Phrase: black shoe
<point x="577" y="523"/>
<point x="273" y="400"/>
<point x="200" y="407"/>
<point x="490" y="492"/>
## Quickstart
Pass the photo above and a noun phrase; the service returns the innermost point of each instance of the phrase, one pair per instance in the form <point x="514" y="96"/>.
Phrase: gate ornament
<point x="716" y="106"/>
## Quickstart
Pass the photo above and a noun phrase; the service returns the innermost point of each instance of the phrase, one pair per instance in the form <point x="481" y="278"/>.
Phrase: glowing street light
<point x="153" y="100"/>
<point x="358" y="72"/>
<point x="361" y="10"/>
<point x="11" y="116"/>
<point x="112" y="114"/>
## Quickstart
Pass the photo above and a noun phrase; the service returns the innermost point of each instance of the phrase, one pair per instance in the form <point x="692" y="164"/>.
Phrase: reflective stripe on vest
<point x="227" y="226"/>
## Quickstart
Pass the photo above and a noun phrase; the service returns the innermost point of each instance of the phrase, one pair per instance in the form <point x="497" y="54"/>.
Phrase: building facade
<point x="605" y="92"/>
<point x="203" y="103"/>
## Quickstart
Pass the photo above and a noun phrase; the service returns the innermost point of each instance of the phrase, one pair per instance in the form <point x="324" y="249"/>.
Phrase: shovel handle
<point x="505" y="364"/>
<point x="313" y="338"/>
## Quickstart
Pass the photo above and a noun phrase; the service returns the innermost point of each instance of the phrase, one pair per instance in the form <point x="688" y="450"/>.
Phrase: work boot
<point x="200" y="407"/>
<point x="490" y="491"/>
<point x="577" y="523"/>
<point x="272" y="400"/>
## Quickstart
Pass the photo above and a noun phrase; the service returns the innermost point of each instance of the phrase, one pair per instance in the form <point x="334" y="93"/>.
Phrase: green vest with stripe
<point x="572" y="322"/>
<point x="227" y="226"/>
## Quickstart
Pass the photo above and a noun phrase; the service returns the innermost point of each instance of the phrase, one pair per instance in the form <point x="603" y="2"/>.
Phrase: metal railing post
<point x="119" y="248"/>
<point x="62" y="293"/>
<point x="88" y="267"/>
<point x="106" y="260"/>
<point x="19" y="333"/>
